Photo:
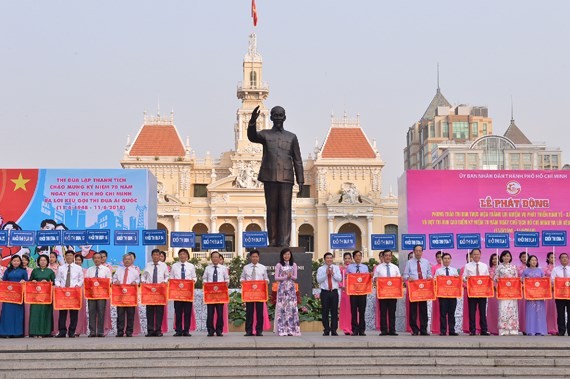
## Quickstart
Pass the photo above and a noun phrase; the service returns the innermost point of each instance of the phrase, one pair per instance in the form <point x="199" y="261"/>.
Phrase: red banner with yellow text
<point x="450" y="287"/>
<point x="11" y="292"/>
<point x="537" y="289"/>
<point x="358" y="284"/>
<point x="421" y="290"/>
<point x="389" y="287"/>
<point x="97" y="288"/>
<point x="254" y="291"/>
<point x="216" y="293"/>
<point x="562" y="288"/>
<point x="67" y="298"/>
<point x="509" y="289"/>
<point x="181" y="290"/>
<point x="480" y="286"/>
<point x="38" y="293"/>
<point x="124" y="295"/>
<point x="154" y="293"/>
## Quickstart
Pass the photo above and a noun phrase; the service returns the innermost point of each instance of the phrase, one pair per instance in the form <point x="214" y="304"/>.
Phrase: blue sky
<point x="75" y="76"/>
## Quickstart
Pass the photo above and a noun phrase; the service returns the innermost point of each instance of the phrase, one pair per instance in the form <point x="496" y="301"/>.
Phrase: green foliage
<point x="236" y="309"/>
<point x="371" y="264"/>
<point x="235" y="268"/>
<point x="395" y="260"/>
<point x="315" y="266"/>
<point x="199" y="271"/>
<point x="310" y="308"/>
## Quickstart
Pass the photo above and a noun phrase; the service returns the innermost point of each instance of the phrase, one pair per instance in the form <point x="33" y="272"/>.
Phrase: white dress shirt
<point x="452" y="271"/>
<point x="260" y="272"/>
<point x="189" y="271"/>
<point x="223" y="275"/>
<point x="381" y="270"/>
<point x="161" y="269"/>
<point x="471" y="270"/>
<point x="322" y="278"/>
<point x="104" y="272"/>
<point x="558" y="272"/>
<point x="76" y="277"/>
<point x="133" y="276"/>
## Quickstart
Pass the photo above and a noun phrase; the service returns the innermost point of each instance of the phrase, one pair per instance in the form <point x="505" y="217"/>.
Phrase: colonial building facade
<point x="343" y="179"/>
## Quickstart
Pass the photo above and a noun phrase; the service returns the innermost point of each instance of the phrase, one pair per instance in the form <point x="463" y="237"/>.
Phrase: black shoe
<point x="472" y="334"/>
<point x="334" y="334"/>
<point x="485" y="333"/>
<point x="100" y="335"/>
<point x="362" y="334"/>
<point x="347" y="334"/>
<point x="453" y="334"/>
<point x="560" y="334"/>
<point x="129" y="334"/>
<point x="92" y="335"/>
<point x="71" y="335"/>
<point x="149" y="334"/>
<point x="326" y="333"/>
<point x="393" y="333"/>
<point x="158" y="334"/>
<point x="259" y="335"/>
<point x="442" y="334"/>
<point x="248" y="335"/>
<point x="415" y="333"/>
<point x="177" y="334"/>
<point x="210" y="334"/>
<point x="219" y="335"/>
<point x="119" y="335"/>
<point x="186" y="334"/>
<point x="62" y="335"/>
<point x="354" y="334"/>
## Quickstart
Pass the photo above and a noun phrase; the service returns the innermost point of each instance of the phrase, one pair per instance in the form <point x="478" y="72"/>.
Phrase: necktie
<point x="96" y="271"/>
<point x="420" y="275"/>
<point x="477" y="269"/>
<point x="68" y="277"/>
<point x="565" y="272"/>
<point x="447" y="271"/>
<point x="388" y="270"/>
<point x="357" y="268"/>
<point x="183" y="272"/>
<point x="126" y="275"/>
<point x="329" y="277"/>
<point x="215" y="276"/>
<point x="253" y="273"/>
<point x="155" y="274"/>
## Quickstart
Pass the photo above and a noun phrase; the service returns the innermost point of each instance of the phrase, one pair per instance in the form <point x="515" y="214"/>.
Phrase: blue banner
<point x="154" y="237"/>
<point x="254" y="239"/>
<point x="126" y="237"/>
<point x="48" y="237"/>
<point x="469" y="241"/>
<point x="497" y="241"/>
<point x="384" y="241"/>
<point x="74" y="237"/>
<point x="527" y="239"/>
<point x="21" y="238"/>
<point x="411" y="240"/>
<point x="343" y="240"/>
<point x="98" y="237"/>
<point x="441" y="241"/>
<point x="213" y="241"/>
<point x="183" y="239"/>
<point x="3" y="237"/>
<point x="554" y="238"/>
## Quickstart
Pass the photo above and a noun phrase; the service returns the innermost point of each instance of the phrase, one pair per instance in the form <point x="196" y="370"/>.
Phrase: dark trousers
<point x="63" y="321"/>
<point x="218" y="309"/>
<point x="154" y="314"/>
<point x="357" y="311"/>
<point x="421" y="307"/>
<point x="563" y="307"/>
<point x="97" y="316"/>
<point x="387" y="315"/>
<point x="278" y="203"/>
<point x="129" y="314"/>
<point x="250" y="309"/>
<point x="447" y="314"/>
<point x="481" y="303"/>
<point x="182" y="312"/>
<point x="329" y="305"/>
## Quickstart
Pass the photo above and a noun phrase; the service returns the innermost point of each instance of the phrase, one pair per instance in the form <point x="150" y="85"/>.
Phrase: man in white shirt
<point x="155" y="272"/>
<point x="68" y="275"/>
<point x="476" y="268"/>
<point x="254" y="271"/>
<point x="328" y="277"/>
<point x="97" y="307"/>
<point x="447" y="305"/>
<point x="387" y="307"/>
<point x="128" y="274"/>
<point x="183" y="270"/>
<point x="215" y="273"/>
<point x="562" y="305"/>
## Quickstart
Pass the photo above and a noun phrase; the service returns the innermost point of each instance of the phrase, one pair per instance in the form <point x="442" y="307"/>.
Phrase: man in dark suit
<point x="281" y="155"/>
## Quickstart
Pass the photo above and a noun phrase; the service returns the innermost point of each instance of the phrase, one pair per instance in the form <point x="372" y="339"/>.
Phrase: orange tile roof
<point x="157" y="140"/>
<point x="347" y="143"/>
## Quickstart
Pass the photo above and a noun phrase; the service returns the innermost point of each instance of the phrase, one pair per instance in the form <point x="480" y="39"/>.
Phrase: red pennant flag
<point x="254" y="12"/>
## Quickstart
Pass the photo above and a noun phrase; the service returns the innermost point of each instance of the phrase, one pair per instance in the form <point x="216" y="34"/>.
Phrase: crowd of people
<point x="484" y="316"/>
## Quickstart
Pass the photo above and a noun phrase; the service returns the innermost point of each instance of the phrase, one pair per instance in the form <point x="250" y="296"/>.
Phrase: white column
<point x="369" y="232"/>
<point x="176" y="229"/>
<point x="330" y="231"/>
<point x="239" y="245"/>
<point x="294" y="233"/>
<point x="213" y="225"/>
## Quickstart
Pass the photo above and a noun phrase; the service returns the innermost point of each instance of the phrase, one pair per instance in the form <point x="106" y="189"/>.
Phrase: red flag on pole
<point x="254" y="12"/>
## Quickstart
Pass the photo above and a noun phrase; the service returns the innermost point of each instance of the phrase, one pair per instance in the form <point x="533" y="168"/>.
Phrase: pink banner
<point x="480" y="201"/>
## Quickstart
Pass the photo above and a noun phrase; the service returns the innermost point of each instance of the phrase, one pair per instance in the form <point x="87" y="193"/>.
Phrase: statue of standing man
<point x="281" y="155"/>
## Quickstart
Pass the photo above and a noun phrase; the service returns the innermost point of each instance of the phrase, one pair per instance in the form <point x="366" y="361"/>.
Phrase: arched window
<point x="230" y="233"/>
<point x="307" y="237"/>
<point x="352" y="228"/>
<point x="199" y="229"/>
<point x="392" y="229"/>
<point x="253" y="79"/>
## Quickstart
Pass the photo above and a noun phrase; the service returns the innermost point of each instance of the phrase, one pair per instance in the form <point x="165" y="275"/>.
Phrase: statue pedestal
<point x="269" y="256"/>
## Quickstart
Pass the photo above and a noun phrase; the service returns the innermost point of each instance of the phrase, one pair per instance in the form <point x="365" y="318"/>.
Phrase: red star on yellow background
<point x="20" y="183"/>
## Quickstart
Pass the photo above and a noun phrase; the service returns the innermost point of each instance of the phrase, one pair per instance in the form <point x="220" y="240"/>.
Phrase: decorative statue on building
<point x="350" y="194"/>
<point x="281" y="155"/>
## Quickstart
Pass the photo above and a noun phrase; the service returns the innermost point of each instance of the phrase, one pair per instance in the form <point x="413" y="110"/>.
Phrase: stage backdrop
<point x="78" y="199"/>
<point x="477" y="201"/>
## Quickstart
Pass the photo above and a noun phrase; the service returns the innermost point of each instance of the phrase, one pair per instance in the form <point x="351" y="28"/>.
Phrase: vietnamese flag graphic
<point x="254" y="12"/>
<point x="17" y="189"/>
